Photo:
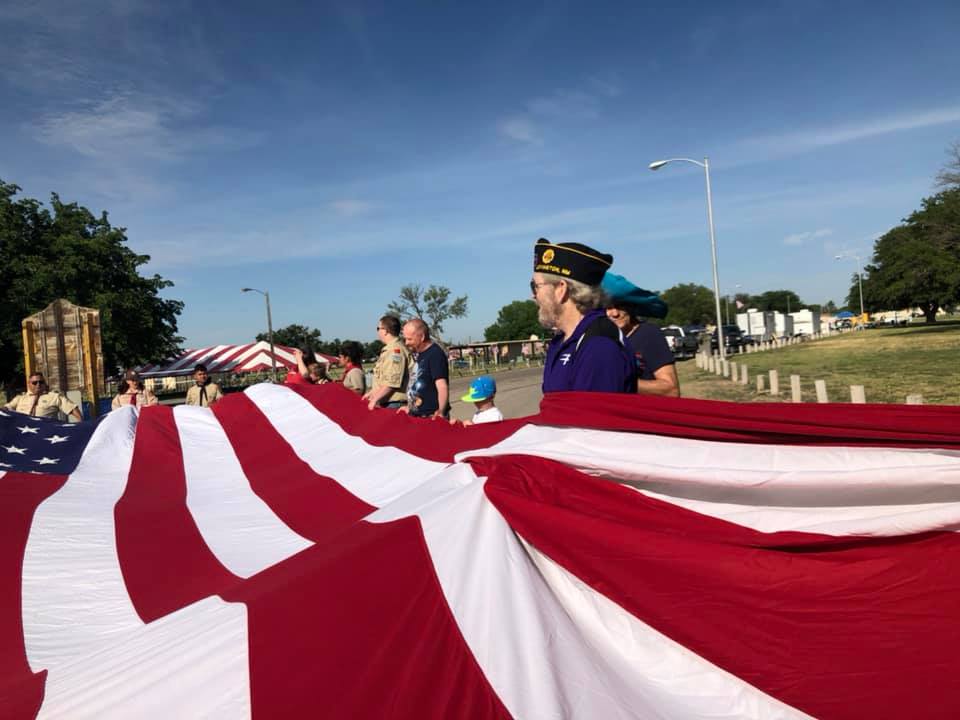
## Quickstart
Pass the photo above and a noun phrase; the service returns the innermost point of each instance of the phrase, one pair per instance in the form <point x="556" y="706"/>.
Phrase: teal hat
<point x="624" y="293"/>
<point x="481" y="388"/>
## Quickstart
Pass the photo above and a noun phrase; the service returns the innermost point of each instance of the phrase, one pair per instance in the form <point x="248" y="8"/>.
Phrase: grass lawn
<point x="890" y="363"/>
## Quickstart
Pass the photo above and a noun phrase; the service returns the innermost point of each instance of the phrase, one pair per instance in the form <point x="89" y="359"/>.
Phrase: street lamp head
<point x="245" y="289"/>
<point x="657" y="164"/>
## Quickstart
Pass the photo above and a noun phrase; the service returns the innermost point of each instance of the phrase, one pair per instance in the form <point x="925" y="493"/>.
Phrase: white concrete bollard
<point x="914" y="399"/>
<point x="743" y="375"/>
<point x="795" y="394"/>
<point x="726" y="368"/>
<point x="733" y="371"/>
<point x="774" y="382"/>
<point x="821" y="386"/>
<point x="759" y="383"/>
<point x="857" y="394"/>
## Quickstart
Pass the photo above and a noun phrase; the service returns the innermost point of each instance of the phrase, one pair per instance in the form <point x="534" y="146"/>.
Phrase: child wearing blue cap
<point x="481" y="394"/>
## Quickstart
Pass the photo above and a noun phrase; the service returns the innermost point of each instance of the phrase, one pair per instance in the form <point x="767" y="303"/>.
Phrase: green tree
<point x="515" y="321"/>
<point x="949" y="175"/>
<point x="70" y="253"/>
<point x="433" y="305"/>
<point x="690" y="304"/>
<point x="372" y="349"/>
<point x="916" y="264"/>
<point x="778" y="300"/>
<point x="295" y="336"/>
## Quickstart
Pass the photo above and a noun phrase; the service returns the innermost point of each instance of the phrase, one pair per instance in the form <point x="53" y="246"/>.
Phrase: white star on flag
<point x="13" y="449"/>
<point x="56" y="439"/>
<point x="24" y="429"/>
<point x="47" y="461"/>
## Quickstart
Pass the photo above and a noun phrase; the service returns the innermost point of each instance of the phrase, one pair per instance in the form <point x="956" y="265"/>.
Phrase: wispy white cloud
<point x="578" y="104"/>
<point x="803" y="237"/>
<point x="521" y="129"/>
<point x="566" y="104"/>
<point x="351" y="208"/>
<point x="791" y="143"/>
<point x="137" y="127"/>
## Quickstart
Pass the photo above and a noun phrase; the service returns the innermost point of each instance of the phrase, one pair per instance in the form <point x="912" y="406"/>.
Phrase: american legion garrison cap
<point x="570" y="260"/>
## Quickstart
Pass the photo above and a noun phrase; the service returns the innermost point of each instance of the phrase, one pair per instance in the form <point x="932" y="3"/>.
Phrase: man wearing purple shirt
<point x="587" y="353"/>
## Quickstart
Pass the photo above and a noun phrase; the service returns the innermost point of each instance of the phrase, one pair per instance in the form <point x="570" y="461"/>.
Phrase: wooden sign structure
<point x="63" y="342"/>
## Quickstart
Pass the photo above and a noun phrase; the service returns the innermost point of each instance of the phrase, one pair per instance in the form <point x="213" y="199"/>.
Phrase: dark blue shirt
<point x="600" y="364"/>
<point x="650" y="350"/>
<point x="431" y="366"/>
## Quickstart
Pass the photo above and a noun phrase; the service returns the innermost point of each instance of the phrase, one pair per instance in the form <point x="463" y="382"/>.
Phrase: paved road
<point x="518" y="393"/>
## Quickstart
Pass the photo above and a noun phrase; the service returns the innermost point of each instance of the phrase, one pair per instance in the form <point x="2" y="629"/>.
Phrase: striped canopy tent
<point x="246" y="358"/>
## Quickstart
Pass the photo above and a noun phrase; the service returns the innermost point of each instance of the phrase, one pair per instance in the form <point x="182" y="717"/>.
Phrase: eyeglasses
<point x="534" y="286"/>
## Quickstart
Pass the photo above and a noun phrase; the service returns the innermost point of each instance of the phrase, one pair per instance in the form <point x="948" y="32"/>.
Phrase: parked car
<point x="732" y="338"/>
<point x="680" y="342"/>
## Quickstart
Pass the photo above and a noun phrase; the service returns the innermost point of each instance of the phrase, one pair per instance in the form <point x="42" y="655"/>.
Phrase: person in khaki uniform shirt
<point x="132" y="392"/>
<point x="40" y="401"/>
<point x="392" y="371"/>
<point x="202" y="393"/>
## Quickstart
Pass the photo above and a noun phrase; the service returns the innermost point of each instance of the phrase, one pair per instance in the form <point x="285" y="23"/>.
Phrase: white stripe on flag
<point x="837" y="490"/>
<point x="240" y="528"/>
<point x="376" y="475"/>
<point x="74" y="595"/>
<point x="549" y="646"/>
<point x="190" y="664"/>
<point x="667" y="679"/>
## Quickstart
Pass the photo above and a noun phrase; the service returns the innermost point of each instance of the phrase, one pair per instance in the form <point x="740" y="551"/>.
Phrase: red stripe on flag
<point x="165" y="562"/>
<point x="902" y="426"/>
<point x="313" y="505"/>
<point x="839" y="627"/>
<point x="21" y="690"/>
<point x="311" y="656"/>
<point x="435" y="440"/>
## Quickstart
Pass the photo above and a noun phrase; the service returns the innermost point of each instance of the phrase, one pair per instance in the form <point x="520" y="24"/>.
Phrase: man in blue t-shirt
<point x="588" y="351"/>
<point x="429" y="390"/>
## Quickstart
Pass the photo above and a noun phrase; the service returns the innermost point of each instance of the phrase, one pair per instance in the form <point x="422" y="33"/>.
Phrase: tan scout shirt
<point x="393" y="369"/>
<point x="144" y="397"/>
<point x="48" y="404"/>
<point x="211" y="396"/>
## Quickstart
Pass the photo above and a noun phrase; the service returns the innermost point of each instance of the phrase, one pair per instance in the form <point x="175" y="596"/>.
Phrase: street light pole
<point x="273" y="354"/>
<point x="859" y="276"/>
<point x="713" y="240"/>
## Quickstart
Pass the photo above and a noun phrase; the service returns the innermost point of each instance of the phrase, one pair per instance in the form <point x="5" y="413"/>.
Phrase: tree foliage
<point x="916" y="264"/>
<point x="67" y="252"/>
<point x="778" y="300"/>
<point x="949" y="175"/>
<point x="515" y="321"/>
<point x="690" y="304"/>
<point x="295" y="336"/>
<point x="433" y="305"/>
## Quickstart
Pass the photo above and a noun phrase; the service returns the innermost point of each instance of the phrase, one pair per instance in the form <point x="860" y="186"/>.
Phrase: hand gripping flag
<point x="290" y="554"/>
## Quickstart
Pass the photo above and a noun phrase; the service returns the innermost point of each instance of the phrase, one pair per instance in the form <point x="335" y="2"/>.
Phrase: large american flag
<point x="290" y="554"/>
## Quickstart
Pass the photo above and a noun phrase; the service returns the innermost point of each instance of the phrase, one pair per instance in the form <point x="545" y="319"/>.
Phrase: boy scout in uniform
<point x="203" y="392"/>
<point x="392" y="371"/>
<point x="40" y="401"/>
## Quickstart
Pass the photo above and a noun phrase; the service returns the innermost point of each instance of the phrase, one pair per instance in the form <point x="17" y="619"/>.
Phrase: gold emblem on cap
<point x="547" y="255"/>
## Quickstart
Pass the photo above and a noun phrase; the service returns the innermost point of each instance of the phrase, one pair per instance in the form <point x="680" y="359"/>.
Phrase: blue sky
<point x="332" y="152"/>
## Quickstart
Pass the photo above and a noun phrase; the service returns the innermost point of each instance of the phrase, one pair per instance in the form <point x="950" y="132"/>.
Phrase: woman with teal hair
<point x="627" y="306"/>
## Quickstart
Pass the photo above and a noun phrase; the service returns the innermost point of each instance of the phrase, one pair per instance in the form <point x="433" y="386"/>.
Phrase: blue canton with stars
<point x="41" y="445"/>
